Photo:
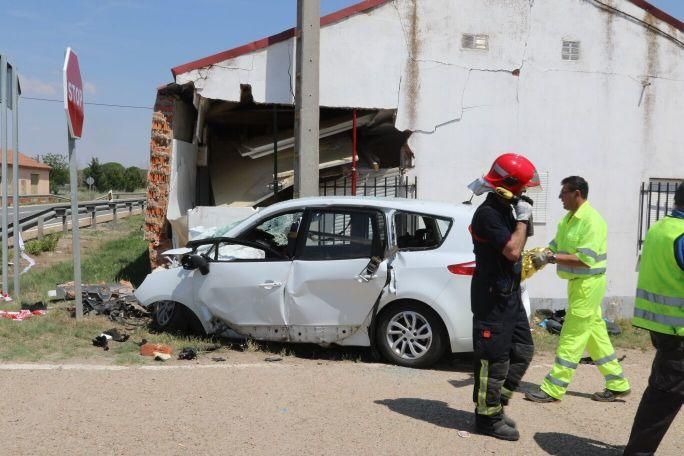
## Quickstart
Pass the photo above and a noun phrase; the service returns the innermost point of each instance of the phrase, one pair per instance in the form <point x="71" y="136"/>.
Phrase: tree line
<point x="106" y="176"/>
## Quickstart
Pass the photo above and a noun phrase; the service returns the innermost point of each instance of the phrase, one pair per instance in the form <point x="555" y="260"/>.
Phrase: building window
<point x="540" y="197"/>
<point x="34" y="183"/>
<point x="571" y="50"/>
<point x="478" y="42"/>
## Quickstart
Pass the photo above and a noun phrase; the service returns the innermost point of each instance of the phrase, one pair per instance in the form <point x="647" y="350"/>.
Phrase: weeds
<point x="46" y="244"/>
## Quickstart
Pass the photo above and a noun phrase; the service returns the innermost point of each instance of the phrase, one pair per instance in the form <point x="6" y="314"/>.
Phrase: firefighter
<point x="659" y="308"/>
<point x="502" y="342"/>
<point x="579" y="252"/>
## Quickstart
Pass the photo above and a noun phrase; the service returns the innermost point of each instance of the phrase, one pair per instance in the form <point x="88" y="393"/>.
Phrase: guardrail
<point x="63" y="212"/>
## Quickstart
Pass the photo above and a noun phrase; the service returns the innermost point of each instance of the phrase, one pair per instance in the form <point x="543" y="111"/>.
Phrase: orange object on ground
<point x="151" y="349"/>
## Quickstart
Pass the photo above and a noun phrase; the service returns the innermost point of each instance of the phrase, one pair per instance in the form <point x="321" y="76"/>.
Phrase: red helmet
<point x="512" y="172"/>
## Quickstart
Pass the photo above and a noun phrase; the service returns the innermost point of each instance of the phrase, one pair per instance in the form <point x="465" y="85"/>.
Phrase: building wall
<point x="612" y="116"/>
<point x="25" y="187"/>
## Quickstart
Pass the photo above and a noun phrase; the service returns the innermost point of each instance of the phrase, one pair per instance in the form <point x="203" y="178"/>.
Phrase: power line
<point x="54" y="100"/>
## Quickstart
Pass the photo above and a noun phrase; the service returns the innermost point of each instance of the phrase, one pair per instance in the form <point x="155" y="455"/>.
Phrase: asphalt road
<point x="300" y="407"/>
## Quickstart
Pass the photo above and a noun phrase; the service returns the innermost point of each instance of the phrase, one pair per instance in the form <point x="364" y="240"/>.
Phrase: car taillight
<point x="462" y="268"/>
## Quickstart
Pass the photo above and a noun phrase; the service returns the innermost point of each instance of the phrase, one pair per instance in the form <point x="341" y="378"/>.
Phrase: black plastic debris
<point x="272" y="359"/>
<point x="116" y="335"/>
<point x="218" y="359"/>
<point x="40" y="305"/>
<point x="187" y="353"/>
<point x="101" y="341"/>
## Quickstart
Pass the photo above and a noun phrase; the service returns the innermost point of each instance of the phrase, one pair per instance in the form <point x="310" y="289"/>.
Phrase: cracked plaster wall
<point x="613" y="116"/>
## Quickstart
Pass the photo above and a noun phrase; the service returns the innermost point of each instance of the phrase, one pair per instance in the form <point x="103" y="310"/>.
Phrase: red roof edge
<point x="277" y="38"/>
<point x="660" y="14"/>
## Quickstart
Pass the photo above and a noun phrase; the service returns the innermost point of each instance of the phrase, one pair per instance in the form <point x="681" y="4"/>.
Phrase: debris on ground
<point x="19" y="315"/>
<point x="464" y="434"/>
<point x="148" y="349"/>
<point x="160" y="356"/>
<point x="272" y="359"/>
<point x="218" y="359"/>
<point x="187" y="353"/>
<point x="115" y="301"/>
<point x="111" y="334"/>
<point x="40" y="305"/>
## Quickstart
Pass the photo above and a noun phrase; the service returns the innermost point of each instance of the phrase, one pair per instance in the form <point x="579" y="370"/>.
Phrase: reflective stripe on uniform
<point x="594" y="255"/>
<point x="564" y="363"/>
<point x="557" y="382"/>
<point x="581" y="271"/>
<point x="610" y="377"/>
<point x="658" y="318"/>
<point x="660" y="299"/>
<point x="482" y="408"/>
<point x="605" y="359"/>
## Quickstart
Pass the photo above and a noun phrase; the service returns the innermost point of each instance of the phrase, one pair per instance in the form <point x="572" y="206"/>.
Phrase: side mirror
<point x="192" y="261"/>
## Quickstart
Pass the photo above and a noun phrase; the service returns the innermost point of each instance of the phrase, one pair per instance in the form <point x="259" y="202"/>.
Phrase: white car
<point x="331" y="270"/>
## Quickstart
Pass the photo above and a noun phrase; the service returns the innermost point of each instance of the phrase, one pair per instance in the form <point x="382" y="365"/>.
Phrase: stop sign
<point x="73" y="94"/>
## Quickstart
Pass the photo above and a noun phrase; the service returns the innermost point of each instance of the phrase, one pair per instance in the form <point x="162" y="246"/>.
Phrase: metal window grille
<point x="656" y="200"/>
<point x="471" y="41"/>
<point x="398" y="187"/>
<point x="571" y="50"/>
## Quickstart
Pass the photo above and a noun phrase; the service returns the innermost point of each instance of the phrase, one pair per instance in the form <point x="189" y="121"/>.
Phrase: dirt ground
<point x="247" y="405"/>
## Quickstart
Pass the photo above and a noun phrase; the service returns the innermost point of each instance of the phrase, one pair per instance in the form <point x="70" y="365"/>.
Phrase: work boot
<point x="539" y="396"/>
<point x="497" y="428"/>
<point x="508" y="420"/>
<point x="609" y="395"/>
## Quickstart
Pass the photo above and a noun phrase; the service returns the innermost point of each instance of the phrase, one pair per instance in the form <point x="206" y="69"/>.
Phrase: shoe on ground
<point x="539" y="396"/>
<point x="609" y="395"/>
<point x="509" y="421"/>
<point x="504" y="400"/>
<point x="500" y="430"/>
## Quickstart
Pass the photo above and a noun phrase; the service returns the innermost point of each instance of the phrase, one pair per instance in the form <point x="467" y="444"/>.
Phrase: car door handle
<point x="269" y="284"/>
<point x="365" y="277"/>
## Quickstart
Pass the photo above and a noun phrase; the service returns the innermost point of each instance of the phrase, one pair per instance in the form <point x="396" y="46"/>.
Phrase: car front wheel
<point x="174" y="317"/>
<point x="411" y="335"/>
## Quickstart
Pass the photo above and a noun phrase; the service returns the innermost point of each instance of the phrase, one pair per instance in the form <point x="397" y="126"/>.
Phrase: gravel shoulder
<point x="299" y="406"/>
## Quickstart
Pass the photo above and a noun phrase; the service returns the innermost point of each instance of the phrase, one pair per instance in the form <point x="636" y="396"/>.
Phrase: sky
<point x="126" y="49"/>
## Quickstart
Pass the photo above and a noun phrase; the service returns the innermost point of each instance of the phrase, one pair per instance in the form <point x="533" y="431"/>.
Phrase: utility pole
<point x="307" y="110"/>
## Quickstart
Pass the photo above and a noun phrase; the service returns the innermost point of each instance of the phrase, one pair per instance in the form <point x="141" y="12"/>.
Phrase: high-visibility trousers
<point x="584" y="328"/>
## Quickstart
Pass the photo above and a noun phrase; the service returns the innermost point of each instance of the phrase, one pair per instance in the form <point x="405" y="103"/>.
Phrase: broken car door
<point x="245" y="285"/>
<point x="331" y="291"/>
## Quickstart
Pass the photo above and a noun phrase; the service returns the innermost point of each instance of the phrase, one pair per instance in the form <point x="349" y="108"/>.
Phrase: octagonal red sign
<point x="73" y="94"/>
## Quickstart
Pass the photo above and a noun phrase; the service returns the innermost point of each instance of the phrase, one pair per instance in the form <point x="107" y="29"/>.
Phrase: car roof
<point x="412" y="205"/>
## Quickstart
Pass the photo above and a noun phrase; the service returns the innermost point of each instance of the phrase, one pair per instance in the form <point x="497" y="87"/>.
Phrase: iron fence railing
<point x="396" y="186"/>
<point x="656" y="200"/>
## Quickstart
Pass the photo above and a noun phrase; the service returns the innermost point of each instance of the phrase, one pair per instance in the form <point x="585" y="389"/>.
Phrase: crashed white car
<point x="331" y="270"/>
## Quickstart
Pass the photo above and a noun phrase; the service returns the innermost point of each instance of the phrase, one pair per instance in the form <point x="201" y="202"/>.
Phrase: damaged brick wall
<point x="158" y="177"/>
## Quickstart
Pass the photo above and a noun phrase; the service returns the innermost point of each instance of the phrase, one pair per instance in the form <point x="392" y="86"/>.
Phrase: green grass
<point x="631" y="337"/>
<point x="38" y="246"/>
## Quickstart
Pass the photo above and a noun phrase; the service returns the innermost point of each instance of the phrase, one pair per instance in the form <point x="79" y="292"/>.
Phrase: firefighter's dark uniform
<point x="502" y="341"/>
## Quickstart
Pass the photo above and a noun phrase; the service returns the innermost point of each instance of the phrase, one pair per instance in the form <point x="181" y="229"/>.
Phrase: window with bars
<point x="474" y="41"/>
<point x="656" y="200"/>
<point x="570" y="50"/>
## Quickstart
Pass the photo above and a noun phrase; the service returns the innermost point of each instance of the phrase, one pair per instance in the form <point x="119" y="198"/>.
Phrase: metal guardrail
<point x="63" y="212"/>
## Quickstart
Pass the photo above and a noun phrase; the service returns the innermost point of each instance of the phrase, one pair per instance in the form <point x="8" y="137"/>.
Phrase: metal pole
<point x="275" y="153"/>
<point x="75" y="244"/>
<point x="306" y="99"/>
<point x="3" y="175"/>
<point x="15" y="182"/>
<point x="353" y="183"/>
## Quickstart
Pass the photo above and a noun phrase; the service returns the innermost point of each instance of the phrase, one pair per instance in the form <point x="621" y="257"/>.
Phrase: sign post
<point x="73" y="105"/>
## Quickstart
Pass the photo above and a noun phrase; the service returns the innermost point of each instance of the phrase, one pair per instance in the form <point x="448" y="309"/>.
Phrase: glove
<point x="523" y="211"/>
<point x="541" y="259"/>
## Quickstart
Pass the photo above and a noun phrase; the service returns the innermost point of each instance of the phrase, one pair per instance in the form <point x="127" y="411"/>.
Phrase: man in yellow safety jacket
<point x="659" y="307"/>
<point x="579" y="252"/>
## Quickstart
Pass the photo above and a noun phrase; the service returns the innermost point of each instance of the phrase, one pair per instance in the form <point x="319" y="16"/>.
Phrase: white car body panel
<point x="323" y="301"/>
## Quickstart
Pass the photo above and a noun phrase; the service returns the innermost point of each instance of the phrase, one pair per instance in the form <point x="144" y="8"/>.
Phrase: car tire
<point x="171" y="316"/>
<point x="410" y="334"/>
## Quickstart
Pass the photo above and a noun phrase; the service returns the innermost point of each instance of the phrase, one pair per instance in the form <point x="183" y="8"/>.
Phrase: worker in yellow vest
<point x="659" y="307"/>
<point x="579" y="252"/>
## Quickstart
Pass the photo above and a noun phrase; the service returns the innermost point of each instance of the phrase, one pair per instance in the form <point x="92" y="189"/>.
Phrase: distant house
<point x="34" y="176"/>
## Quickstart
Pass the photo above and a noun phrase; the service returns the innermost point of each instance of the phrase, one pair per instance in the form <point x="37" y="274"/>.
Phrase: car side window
<point x="337" y="235"/>
<point x="277" y="234"/>
<point x="419" y="231"/>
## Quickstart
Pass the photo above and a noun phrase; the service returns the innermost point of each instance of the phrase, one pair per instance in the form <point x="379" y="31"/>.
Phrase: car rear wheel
<point x="174" y="317"/>
<point x="411" y="335"/>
